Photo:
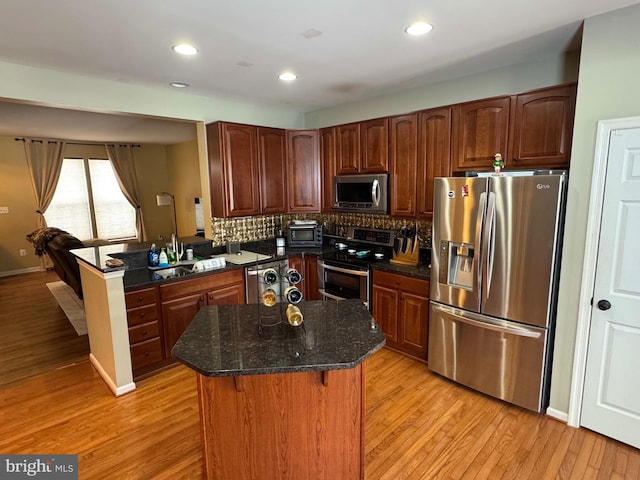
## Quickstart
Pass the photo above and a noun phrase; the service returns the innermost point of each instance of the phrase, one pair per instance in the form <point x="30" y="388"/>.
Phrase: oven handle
<point x="360" y="273"/>
<point x="328" y="295"/>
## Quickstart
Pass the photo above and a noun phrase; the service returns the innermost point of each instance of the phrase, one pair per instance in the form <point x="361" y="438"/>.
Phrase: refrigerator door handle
<point x="486" y="322"/>
<point x="479" y="221"/>
<point x="489" y="247"/>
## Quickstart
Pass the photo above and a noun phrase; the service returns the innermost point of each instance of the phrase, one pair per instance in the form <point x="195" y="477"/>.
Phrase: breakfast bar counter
<point x="278" y="401"/>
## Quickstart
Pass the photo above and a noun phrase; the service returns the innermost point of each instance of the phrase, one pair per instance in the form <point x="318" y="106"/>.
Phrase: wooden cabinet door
<point x="413" y="324"/>
<point x="231" y="295"/>
<point x="240" y="164"/>
<point x="385" y="312"/>
<point x="374" y="145"/>
<point x="304" y="170"/>
<point x="480" y="130"/>
<point x="311" y="277"/>
<point x="348" y="149"/>
<point x="434" y="154"/>
<point x="272" y="167"/>
<point x="328" y="167"/>
<point x="404" y="165"/>
<point x="177" y="315"/>
<point x="542" y="128"/>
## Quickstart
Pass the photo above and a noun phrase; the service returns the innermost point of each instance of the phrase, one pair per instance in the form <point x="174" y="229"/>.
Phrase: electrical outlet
<point x="23" y="252"/>
<point x="4" y="209"/>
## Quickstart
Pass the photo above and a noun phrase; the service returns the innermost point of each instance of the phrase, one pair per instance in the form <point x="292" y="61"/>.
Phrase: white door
<point x="611" y="400"/>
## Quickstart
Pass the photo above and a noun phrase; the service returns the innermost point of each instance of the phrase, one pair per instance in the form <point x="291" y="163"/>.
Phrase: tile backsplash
<point x="246" y="229"/>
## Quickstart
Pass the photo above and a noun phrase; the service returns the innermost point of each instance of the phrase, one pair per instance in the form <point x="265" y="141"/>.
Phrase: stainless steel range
<point x="345" y="272"/>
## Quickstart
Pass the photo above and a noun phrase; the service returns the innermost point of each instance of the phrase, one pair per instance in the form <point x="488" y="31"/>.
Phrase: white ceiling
<point x="362" y="51"/>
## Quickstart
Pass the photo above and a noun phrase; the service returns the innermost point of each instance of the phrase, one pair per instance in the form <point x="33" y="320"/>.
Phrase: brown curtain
<point x="121" y="157"/>
<point x="44" y="159"/>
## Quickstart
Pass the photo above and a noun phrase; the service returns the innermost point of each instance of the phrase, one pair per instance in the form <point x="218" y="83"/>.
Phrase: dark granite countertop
<point x="137" y="274"/>
<point x="228" y="340"/>
<point x="422" y="270"/>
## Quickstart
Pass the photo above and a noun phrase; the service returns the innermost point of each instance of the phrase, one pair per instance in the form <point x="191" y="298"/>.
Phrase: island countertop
<point x="234" y="340"/>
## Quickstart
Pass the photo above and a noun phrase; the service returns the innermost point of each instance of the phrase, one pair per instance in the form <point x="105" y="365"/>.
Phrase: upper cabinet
<point x="542" y="128"/>
<point x="303" y="178"/>
<point x="374" y="146"/>
<point x="362" y="147"/>
<point x="404" y="164"/>
<point x="233" y="169"/>
<point x="480" y="129"/>
<point x="530" y="130"/>
<point x="327" y="167"/>
<point x="348" y="149"/>
<point x="434" y="154"/>
<point x="271" y="158"/>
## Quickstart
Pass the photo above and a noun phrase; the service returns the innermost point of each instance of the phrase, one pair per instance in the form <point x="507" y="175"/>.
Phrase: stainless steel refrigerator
<point x="494" y="270"/>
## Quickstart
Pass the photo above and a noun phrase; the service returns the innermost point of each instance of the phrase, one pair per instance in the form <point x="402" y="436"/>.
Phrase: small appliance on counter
<point x="304" y="233"/>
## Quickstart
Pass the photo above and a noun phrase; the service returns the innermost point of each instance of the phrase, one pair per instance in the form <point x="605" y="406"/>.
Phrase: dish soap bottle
<point x="163" y="259"/>
<point x="154" y="259"/>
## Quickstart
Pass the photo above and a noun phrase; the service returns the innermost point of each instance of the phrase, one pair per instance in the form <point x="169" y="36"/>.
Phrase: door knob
<point x="604" y="305"/>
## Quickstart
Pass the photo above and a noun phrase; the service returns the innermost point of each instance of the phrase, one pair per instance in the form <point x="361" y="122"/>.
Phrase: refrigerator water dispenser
<point x="456" y="264"/>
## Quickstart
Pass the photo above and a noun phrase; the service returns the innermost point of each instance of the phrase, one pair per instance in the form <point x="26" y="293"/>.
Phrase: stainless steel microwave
<point x="361" y="193"/>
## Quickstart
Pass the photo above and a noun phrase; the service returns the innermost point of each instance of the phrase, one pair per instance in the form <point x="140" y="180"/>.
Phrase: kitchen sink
<point x="173" y="272"/>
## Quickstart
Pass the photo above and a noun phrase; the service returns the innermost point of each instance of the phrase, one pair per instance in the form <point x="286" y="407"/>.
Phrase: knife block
<point x="408" y="254"/>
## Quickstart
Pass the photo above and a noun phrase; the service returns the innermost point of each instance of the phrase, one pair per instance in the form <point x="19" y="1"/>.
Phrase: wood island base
<point x="306" y="425"/>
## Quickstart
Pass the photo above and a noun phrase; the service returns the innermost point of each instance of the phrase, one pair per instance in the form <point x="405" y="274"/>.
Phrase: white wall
<point x="607" y="88"/>
<point x="55" y="88"/>
<point x="503" y="81"/>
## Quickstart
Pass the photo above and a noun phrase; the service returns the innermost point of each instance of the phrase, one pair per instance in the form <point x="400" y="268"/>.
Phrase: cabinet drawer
<point x="202" y="283"/>
<point x="144" y="332"/>
<point x="401" y="282"/>
<point x="138" y="298"/>
<point x="146" y="314"/>
<point x="145" y="353"/>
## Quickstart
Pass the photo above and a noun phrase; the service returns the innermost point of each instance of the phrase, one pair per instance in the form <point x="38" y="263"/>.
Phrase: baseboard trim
<point x="558" y="415"/>
<point x="10" y="273"/>
<point x="117" y="391"/>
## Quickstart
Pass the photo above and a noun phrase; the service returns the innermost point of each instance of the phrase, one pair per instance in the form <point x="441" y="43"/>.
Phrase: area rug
<point x="72" y="306"/>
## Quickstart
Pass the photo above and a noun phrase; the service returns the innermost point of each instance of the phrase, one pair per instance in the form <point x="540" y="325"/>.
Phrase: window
<point x="88" y="202"/>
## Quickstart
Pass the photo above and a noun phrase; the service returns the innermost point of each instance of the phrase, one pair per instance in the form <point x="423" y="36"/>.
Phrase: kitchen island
<point x="278" y="401"/>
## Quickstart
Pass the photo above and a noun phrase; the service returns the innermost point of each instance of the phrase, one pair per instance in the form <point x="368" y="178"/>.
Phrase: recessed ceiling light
<point x="287" y="76"/>
<point x="419" y="28"/>
<point x="185" y="49"/>
<point x="179" y="84"/>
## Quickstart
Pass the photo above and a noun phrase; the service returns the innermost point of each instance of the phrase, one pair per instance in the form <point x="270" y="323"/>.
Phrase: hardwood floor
<point x="35" y="335"/>
<point x="418" y="425"/>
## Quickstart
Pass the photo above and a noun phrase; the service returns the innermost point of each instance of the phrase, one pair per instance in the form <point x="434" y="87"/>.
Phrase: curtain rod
<point x="80" y="143"/>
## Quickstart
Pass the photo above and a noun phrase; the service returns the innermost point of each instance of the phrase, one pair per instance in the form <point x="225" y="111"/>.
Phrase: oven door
<point x="339" y="283"/>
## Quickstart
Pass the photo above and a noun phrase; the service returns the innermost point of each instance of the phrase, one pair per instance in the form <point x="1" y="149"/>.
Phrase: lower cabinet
<point x="307" y="265"/>
<point x="401" y="308"/>
<point x="157" y="316"/>
<point x="182" y="300"/>
<point x="145" y="329"/>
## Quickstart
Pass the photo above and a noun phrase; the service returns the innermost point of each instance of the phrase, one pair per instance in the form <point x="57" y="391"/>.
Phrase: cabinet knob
<point x="142" y="315"/>
<point x="144" y="332"/>
<point x="202" y="298"/>
<point x="140" y="298"/>
<point x="146" y="354"/>
<point x="397" y="282"/>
